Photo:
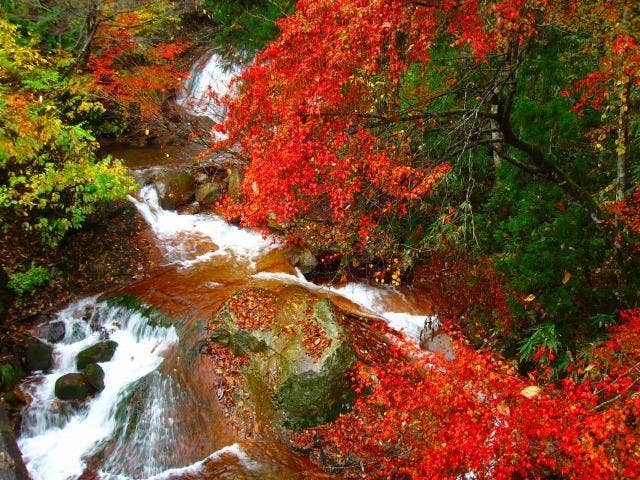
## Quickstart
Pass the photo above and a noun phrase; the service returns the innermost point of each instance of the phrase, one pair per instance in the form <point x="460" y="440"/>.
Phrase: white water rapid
<point x="56" y="437"/>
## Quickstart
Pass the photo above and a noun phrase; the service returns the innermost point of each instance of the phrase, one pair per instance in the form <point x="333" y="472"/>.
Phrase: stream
<point x="158" y="416"/>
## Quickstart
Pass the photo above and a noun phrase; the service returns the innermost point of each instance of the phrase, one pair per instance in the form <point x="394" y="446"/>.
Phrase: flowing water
<point x="158" y="416"/>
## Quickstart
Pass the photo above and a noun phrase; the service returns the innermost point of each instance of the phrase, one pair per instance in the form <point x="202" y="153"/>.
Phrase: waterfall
<point x="209" y="81"/>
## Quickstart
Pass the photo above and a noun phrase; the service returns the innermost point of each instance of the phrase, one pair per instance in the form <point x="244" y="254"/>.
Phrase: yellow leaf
<point x="531" y="391"/>
<point x="566" y="278"/>
<point x="530" y="298"/>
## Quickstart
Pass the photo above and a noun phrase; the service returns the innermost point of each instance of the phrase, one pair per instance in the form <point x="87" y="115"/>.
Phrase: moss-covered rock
<point x="313" y="398"/>
<point x="72" y="386"/>
<point x="100" y="352"/>
<point x="94" y="375"/>
<point x="176" y="188"/>
<point x="155" y="317"/>
<point x="299" y="354"/>
<point x="239" y="341"/>
<point x="208" y="193"/>
<point x="39" y="355"/>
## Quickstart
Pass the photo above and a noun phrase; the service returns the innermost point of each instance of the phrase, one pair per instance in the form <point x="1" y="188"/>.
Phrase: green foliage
<point x="542" y="336"/>
<point x="34" y="277"/>
<point x="51" y="178"/>
<point x="247" y="24"/>
<point x="10" y="375"/>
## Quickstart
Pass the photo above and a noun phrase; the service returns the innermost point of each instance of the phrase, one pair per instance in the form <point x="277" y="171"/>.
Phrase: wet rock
<point x="302" y="258"/>
<point x="100" y="352"/>
<point x="6" y="295"/>
<point x="52" y="332"/>
<point x="313" y="398"/>
<point x="239" y="341"/>
<point x="307" y="262"/>
<point x="175" y="188"/>
<point x="94" y="376"/>
<point x="297" y="351"/>
<point x="38" y="355"/>
<point x="208" y="193"/>
<point x="72" y="386"/>
<point x="12" y="466"/>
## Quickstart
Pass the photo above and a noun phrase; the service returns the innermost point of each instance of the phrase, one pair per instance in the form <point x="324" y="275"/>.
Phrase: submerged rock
<point x="298" y="354"/>
<point x="72" y="386"/>
<point x="176" y="188"/>
<point x="39" y="355"/>
<point x="100" y="352"/>
<point x="94" y="376"/>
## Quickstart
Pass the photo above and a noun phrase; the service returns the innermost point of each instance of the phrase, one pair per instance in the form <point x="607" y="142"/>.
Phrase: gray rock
<point x="52" y="332"/>
<point x="72" y="386"/>
<point x="307" y="262"/>
<point x="208" y="193"/>
<point x="439" y="342"/>
<point x="100" y="352"/>
<point x="39" y="355"/>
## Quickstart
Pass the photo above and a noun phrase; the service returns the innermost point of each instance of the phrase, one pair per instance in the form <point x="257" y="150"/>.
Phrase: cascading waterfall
<point x="208" y="81"/>
<point x="132" y="428"/>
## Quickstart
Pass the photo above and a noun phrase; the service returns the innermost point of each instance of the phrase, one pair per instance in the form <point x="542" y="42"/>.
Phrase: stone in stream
<point x="176" y="188"/>
<point x="39" y="355"/>
<point x="72" y="386"/>
<point x="100" y="352"/>
<point x="53" y="331"/>
<point x="94" y="376"/>
<point x="299" y="354"/>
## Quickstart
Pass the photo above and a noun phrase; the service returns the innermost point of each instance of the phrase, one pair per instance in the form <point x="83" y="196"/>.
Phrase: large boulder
<point x="94" y="376"/>
<point x="208" y="193"/>
<point x="176" y="188"/>
<point x="72" y="386"/>
<point x="100" y="352"/>
<point x="297" y="351"/>
<point x="38" y="355"/>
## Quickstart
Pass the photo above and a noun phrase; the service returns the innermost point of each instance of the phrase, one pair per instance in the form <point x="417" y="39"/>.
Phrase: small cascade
<point x="57" y="436"/>
<point x="382" y="301"/>
<point x="176" y="232"/>
<point x="209" y="80"/>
